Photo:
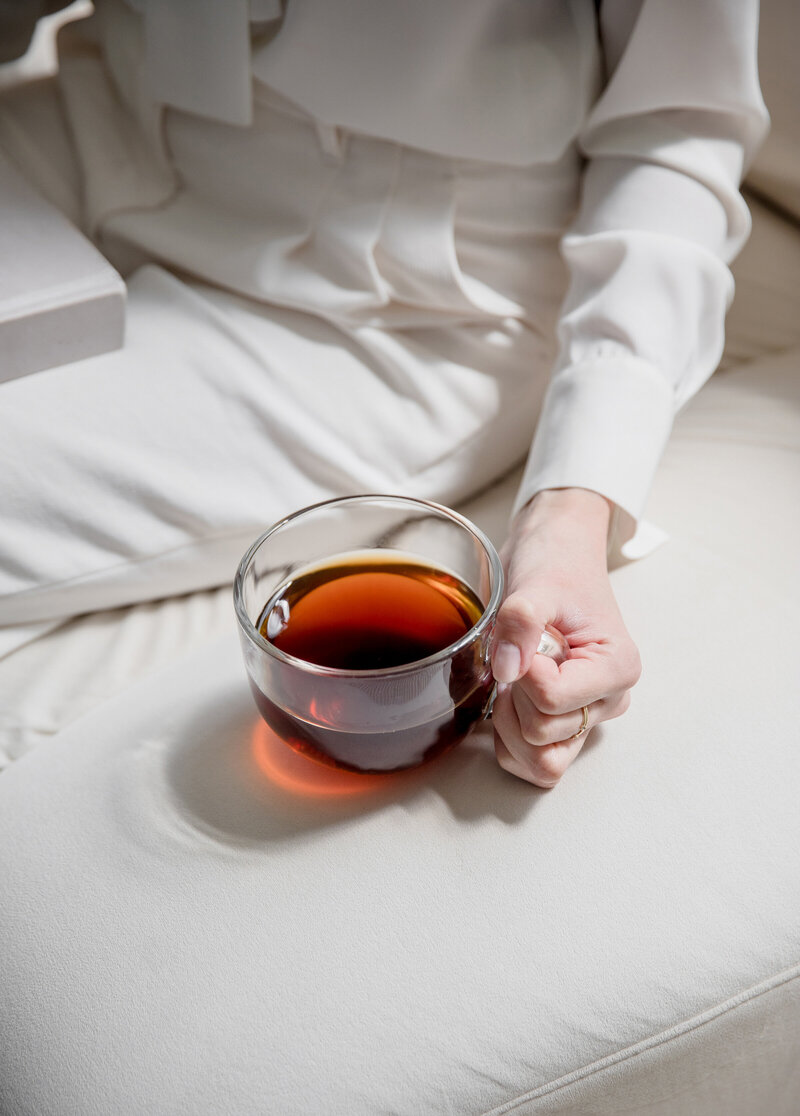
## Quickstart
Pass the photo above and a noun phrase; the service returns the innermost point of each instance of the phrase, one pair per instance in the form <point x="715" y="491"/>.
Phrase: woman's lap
<point x="145" y="472"/>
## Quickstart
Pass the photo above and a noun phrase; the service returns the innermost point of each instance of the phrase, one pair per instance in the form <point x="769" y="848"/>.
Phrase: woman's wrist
<point x="567" y="511"/>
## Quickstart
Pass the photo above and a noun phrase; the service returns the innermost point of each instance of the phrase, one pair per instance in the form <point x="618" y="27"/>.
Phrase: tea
<point x="371" y="612"/>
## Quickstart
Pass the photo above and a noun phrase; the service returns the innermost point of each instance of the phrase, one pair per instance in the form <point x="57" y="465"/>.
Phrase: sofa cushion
<point x="763" y="318"/>
<point x="194" y="920"/>
<point x="775" y="172"/>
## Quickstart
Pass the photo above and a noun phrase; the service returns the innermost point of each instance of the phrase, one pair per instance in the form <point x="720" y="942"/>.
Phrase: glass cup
<point x="372" y="718"/>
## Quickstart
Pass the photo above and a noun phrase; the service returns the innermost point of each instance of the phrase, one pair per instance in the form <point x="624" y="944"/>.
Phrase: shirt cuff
<point x="604" y="425"/>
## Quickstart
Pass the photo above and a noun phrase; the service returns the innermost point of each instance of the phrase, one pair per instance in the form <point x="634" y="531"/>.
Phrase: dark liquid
<point x="366" y="614"/>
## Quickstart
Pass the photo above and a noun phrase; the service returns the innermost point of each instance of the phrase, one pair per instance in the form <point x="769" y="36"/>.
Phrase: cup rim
<point x="489" y="612"/>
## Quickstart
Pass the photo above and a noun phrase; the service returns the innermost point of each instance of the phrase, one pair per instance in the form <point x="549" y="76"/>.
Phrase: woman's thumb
<point x="516" y="638"/>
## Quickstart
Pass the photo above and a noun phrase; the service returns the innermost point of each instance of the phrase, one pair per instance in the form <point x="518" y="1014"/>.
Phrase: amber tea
<point x="376" y="612"/>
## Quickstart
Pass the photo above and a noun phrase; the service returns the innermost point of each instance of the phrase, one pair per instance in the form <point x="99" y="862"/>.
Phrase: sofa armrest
<point x="60" y="300"/>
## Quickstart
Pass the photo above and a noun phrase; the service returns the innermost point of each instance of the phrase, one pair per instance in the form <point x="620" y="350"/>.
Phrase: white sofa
<point x="194" y="921"/>
<point x="190" y="922"/>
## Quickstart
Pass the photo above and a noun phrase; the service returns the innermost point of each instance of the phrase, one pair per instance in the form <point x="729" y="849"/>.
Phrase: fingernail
<point x="506" y="662"/>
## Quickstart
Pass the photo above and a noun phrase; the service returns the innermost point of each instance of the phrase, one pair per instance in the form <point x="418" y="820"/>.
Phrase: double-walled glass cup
<point x="370" y="719"/>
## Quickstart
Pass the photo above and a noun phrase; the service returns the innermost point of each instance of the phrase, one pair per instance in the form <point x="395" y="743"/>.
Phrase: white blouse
<point x="660" y="97"/>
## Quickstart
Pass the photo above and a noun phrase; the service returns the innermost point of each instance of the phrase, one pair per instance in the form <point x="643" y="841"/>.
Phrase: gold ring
<point x="584" y="726"/>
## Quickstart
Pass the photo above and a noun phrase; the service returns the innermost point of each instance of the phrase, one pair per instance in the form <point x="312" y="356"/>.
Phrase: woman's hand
<point x="556" y="573"/>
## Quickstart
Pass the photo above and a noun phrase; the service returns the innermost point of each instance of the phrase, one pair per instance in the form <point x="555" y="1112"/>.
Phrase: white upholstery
<point x="763" y="317"/>
<point x="776" y="172"/>
<point x="182" y="932"/>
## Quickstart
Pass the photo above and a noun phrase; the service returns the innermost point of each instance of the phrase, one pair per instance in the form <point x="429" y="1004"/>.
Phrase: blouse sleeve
<point x="661" y="217"/>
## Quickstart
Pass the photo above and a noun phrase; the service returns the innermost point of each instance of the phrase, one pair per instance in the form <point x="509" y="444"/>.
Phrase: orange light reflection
<point x="298" y="774"/>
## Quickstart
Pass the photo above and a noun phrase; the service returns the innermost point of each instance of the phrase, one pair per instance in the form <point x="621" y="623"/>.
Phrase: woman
<point x="345" y="228"/>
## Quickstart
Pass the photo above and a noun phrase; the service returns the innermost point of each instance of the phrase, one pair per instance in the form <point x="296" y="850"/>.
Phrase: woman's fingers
<point x="538" y="747"/>
<point x="591" y="673"/>
<point x="543" y="766"/>
<point x="539" y="728"/>
<point x="517" y="633"/>
<point x="594" y="669"/>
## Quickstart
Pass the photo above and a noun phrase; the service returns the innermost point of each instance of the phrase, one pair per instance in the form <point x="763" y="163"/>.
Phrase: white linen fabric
<point x="194" y="920"/>
<point x="664" y="104"/>
<point x="146" y="473"/>
<point x="223" y="411"/>
<point x="433" y="265"/>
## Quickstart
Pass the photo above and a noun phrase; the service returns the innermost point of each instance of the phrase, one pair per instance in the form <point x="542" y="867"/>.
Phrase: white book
<point x="60" y="299"/>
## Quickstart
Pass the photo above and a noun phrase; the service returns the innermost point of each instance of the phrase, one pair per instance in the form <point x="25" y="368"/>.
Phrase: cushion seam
<point x="663" y="1038"/>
